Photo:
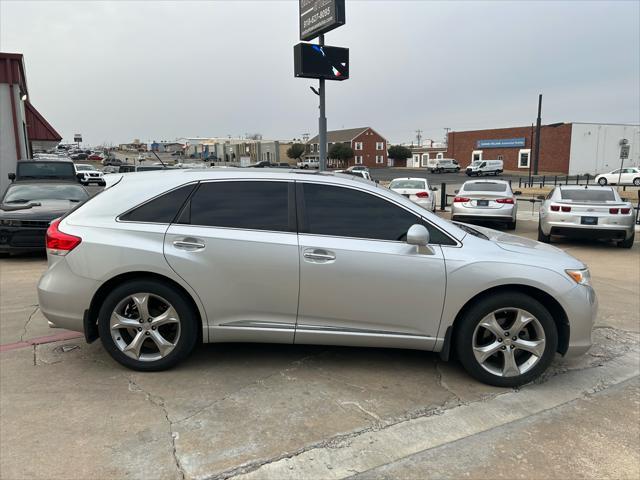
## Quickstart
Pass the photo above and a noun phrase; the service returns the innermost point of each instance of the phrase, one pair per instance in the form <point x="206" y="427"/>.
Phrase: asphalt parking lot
<point x="274" y="411"/>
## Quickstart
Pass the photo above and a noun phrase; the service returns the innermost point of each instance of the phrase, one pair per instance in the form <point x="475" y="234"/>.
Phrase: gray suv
<point x="162" y="260"/>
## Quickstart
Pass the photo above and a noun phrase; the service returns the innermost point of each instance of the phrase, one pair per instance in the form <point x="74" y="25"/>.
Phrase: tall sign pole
<point x="536" y="156"/>
<point x="322" y="121"/>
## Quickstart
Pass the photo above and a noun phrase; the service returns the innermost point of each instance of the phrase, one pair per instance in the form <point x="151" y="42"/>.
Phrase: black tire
<point x="541" y="236"/>
<point x="602" y="181"/>
<point x="628" y="243"/>
<point x="189" y="324"/>
<point x="511" y="225"/>
<point x="636" y="181"/>
<point x="483" y="307"/>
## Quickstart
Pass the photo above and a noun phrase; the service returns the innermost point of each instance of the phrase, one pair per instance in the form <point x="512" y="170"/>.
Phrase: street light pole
<point x="322" y="121"/>
<point x="536" y="156"/>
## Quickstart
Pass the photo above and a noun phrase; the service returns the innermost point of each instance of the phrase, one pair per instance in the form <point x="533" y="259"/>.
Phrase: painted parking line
<point x="58" y="337"/>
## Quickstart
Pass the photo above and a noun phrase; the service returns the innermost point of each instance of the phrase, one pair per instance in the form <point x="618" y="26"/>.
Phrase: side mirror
<point x="541" y="197"/>
<point x="79" y="176"/>
<point x="456" y="191"/>
<point x="434" y="189"/>
<point x="12" y="176"/>
<point x="418" y="235"/>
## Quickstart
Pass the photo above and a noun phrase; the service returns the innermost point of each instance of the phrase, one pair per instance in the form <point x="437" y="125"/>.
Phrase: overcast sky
<point x="115" y="71"/>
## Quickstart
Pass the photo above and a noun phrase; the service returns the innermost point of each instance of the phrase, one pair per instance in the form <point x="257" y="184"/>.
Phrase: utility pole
<point x="419" y="137"/>
<point x="536" y="156"/>
<point x="322" y="121"/>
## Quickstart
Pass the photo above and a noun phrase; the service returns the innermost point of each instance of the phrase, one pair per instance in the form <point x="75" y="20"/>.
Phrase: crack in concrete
<point x="442" y="383"/>
<point x="26" y="324"/>
<point x="295" y="364"/>
<point x="159" y="402"/>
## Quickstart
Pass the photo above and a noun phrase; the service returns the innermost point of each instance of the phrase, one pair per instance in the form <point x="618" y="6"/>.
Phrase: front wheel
<point x="602" y="181"/>
<point x="146" y="325"/>
<point x="506" y="339"/>
<point x="636" y="181"/>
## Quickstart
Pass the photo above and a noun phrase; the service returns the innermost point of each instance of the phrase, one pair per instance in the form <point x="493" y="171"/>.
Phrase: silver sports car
<point x="587" y="212"/>
<point x="162" y="260"/>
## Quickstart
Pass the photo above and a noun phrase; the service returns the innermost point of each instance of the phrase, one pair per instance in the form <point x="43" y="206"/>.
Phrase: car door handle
<point x="189" y="244"/>
<point x="318" y="255"/>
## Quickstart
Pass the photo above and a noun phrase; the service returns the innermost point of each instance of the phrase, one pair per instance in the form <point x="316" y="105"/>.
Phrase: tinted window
<point x="162" y="209"/>
<point x="251" y="205"/>
<point x="484" y="187"/>
<point x="45" y="170"/>
<point x="588" y="195"/>
<point x="343" y="212"/>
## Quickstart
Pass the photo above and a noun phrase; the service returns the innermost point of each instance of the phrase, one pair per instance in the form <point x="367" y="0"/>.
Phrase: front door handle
<point x="318" y="255"/>
<point x="190" y="244"/>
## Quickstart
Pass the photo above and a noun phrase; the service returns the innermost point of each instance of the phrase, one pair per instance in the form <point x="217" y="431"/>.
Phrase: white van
<point x="440" y="165"/>
<point x="309" y="163"/>
<point x="485" y="167"/>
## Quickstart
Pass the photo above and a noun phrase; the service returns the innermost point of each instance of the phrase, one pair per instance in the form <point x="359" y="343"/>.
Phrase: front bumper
<point x="23" y="238"/>
<point x="63" y="296"/>
<point x="581" y="307"/>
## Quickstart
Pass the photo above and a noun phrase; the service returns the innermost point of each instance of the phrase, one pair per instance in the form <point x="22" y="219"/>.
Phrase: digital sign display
<point x="320" y="16"/>
<point x="316" y="61"/>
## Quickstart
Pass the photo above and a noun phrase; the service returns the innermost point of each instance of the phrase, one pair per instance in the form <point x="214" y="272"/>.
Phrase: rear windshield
<point x="45" y="170"/>
<point x="407" y="184"/>
<point x="588" y="195"/>
<point x="484" y="187"/>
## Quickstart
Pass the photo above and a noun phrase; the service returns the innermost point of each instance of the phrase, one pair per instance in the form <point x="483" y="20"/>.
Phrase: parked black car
<point x="28" y="207"/>
<point x="44" y="170"/>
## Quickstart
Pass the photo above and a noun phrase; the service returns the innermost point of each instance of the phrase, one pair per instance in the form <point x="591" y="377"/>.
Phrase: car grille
<point x="25" y="223"/>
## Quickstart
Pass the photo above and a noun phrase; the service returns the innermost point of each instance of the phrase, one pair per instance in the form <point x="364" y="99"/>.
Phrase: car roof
<point x="503" y="182"/>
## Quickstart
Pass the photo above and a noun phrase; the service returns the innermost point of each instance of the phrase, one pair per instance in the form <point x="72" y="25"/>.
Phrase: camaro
<point x="159" y="261"/>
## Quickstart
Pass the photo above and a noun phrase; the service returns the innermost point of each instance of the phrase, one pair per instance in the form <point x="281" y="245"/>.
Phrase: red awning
<point x="37" y="127"/>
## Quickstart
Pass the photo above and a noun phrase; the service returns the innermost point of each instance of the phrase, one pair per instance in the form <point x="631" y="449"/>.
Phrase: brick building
<point x="369" y="147"/>
<point x="573" y="148"/>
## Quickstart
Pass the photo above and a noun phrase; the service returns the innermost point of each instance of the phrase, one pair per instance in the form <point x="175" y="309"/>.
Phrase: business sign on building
<point x="77" y="138"/>
<point x="501" y="143"/>
<point x="320" y="16"/>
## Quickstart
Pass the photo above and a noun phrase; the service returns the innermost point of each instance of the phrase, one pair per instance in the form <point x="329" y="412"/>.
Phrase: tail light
<point x="566" y="209"/>
<point x="422" y="194"/>
<point x="555" y="208"/>
<point x="505" y="200"/>
<point x="461" y="199"/>
<point x="613" y="211"/>
<point x="625" y="211"/>
<point x="60" y="243"/>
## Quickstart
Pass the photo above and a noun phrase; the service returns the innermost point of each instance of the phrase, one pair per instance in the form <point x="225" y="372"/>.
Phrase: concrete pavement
<point x="69" y="411"/>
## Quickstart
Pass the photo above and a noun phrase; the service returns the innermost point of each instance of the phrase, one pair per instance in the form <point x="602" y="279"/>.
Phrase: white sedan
<point x="625" y="176"/>
<point x="417" y="190"/>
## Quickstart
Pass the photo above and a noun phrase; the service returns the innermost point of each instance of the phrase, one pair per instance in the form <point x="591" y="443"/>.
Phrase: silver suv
<point x="163" y="260"/>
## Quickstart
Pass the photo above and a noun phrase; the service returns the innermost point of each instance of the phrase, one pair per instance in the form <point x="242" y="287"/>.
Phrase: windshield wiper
<point x="472" y="231"/>
<point x="19" y="200"/>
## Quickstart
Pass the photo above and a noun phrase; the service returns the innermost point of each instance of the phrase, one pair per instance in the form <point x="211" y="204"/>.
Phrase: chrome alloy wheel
<point x="508" y="342"/>
<point x="145" y="327"/>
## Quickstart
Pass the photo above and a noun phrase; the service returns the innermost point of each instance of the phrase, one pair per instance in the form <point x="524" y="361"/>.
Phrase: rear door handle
<point x="319" y="255"/>
<point x="190" y="244"/>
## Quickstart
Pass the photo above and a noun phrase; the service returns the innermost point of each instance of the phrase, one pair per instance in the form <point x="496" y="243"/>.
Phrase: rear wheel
<point x="628" y="243"/>
<point x="511" y="225"/>
<point x="541" y="236"/>
<point x="506" y="339"/>
<point x="602" y="181"/>
<point x="636" y="181"/>
<point x="147" y="325"/>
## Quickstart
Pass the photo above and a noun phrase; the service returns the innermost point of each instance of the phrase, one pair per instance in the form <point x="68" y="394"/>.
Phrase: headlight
<point x="583" y="277"/>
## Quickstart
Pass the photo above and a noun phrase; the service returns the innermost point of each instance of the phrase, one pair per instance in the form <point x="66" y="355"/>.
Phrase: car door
<point x="360" y="282"/>
<point x="235" y="243"/>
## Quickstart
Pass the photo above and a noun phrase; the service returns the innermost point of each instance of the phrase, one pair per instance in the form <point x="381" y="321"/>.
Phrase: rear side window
<point x="249" y="205"/>
<point x="344" y="212"/>
<point x="162" y="209"/>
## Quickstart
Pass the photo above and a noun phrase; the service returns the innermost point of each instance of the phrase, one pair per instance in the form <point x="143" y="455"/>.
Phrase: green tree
<point x="398" y="152"/>
<point x="296" y="151"/>
<point x="341" y="152"/>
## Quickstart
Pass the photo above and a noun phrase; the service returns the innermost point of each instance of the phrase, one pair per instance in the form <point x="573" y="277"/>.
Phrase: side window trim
<point x="184" y="215"/>
<point x="303" y="227"/>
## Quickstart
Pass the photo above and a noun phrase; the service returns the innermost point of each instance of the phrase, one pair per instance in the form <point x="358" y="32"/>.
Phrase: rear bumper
<point x="571" y="227"/>
<point x="506" y="213"/>
<point x="63" y="296"/>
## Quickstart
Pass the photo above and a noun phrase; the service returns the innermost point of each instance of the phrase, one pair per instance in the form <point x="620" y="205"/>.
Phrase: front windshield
<point x="32" y="193"/>
<point x="415" y="184"/>
<point x="85" y="167"/>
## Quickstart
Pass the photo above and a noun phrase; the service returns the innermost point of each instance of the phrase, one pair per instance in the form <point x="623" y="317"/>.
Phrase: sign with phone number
<point x="320" y="16"/>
